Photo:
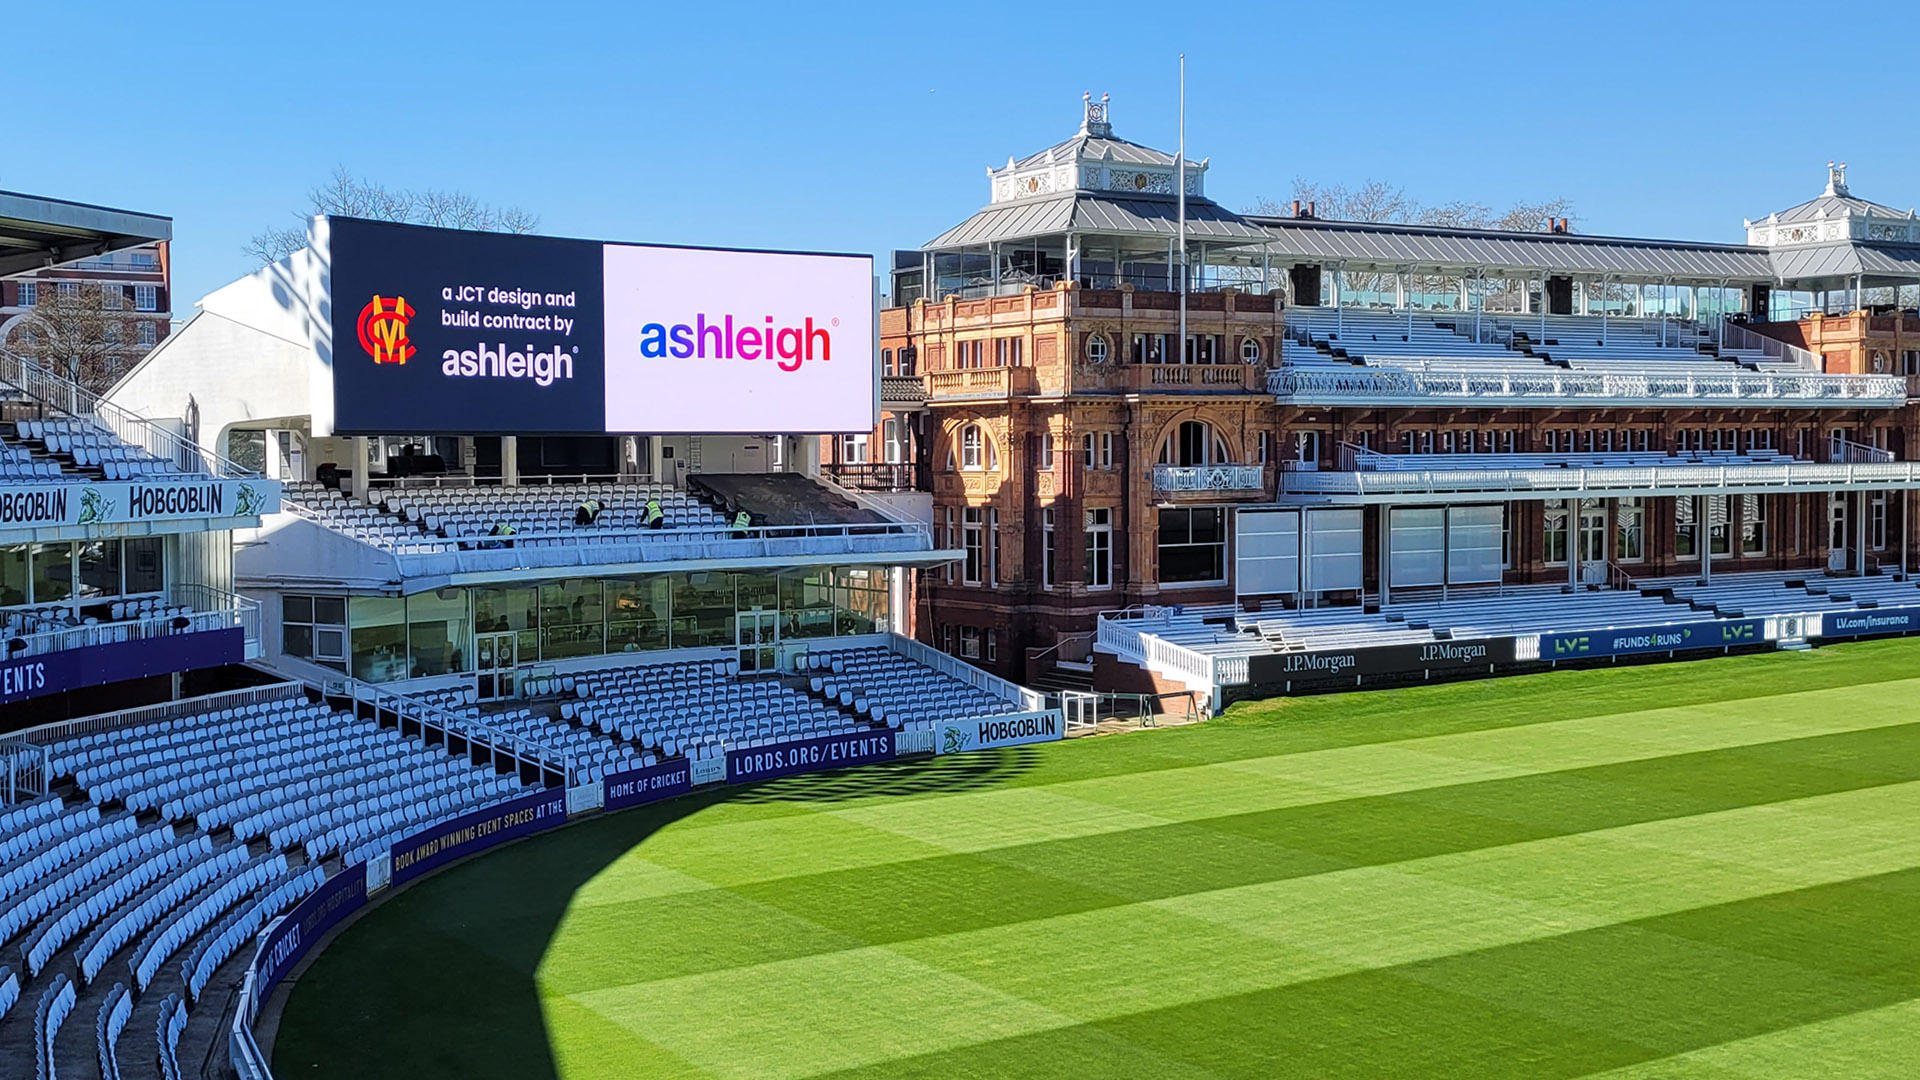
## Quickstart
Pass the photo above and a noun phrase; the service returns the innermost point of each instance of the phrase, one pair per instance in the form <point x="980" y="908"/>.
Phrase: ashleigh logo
<point x="383" y="329"/>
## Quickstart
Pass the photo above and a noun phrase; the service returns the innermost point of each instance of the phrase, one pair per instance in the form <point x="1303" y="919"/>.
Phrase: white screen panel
<point x="1418" y="538"/>
<point x="1267" y="547"/>
<point x="1473" y="544"/>
<point x="1334" y="542"/>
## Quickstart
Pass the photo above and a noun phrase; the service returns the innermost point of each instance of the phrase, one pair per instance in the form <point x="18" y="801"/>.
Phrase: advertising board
<point x="809" y="755"/>
<point x="1673" y="637"/>
<point x="294" y="936"/>
<point x="118" y="661"/>
<point x="444" y="331"/>
<point x="1898" y="620"/>
<point x="458" y="837"/>
<point x="116" y="502"/>
<point x="1413" y="659"/>
<point x="637" y="787"/>
<point x="986" y="732"/>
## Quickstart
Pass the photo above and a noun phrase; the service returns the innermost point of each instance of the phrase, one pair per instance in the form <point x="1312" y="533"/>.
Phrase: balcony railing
<point x="979" y="384"/>
<point x="210" y="609"/>
<point x="1599" y="482"/>
<point x="1216" y="377"/>
<point x="1410" y="386"/>
<point x="880" y="476"/>
<point x="1735" y="336"/>
<point x="1217" y="479"/>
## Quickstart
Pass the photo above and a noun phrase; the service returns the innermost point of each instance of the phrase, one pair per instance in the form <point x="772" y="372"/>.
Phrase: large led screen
<point x="438" y="331"/>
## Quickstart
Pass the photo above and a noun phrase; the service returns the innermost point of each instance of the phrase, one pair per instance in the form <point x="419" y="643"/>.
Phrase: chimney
<point x="1313" y="209"/>
<point x="1296" y="208"/>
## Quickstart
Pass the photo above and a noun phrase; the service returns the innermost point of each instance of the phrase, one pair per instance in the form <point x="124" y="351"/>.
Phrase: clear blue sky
<point x="868" y="128"/>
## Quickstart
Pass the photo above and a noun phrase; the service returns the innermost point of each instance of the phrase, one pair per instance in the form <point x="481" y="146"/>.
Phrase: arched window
<point x="976" y="449"/>
<point x="1250" y="349"/>
<point x="1096" y="348"/>
<point x="1194" y="442"/>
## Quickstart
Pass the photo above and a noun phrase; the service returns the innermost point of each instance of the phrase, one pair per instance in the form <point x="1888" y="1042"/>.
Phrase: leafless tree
<point x="346" y="195"/>
<point x="81" y="331"/>
<point x="1379" y="202"/>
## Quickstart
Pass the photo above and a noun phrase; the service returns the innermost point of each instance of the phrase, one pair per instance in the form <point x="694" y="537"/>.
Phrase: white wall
<point x="293" y="553"/>
<point x="259" y="349"/>
<point x="215" y="373"/>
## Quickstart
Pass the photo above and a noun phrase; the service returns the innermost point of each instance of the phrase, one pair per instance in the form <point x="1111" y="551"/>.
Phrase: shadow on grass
<point x="441" y="978"/>
<point x="952" y="775"/>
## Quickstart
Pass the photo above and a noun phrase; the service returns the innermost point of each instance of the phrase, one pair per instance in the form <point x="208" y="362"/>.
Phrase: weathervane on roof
<point x="1837" y="179"/>
<point x="1095" y="122"/>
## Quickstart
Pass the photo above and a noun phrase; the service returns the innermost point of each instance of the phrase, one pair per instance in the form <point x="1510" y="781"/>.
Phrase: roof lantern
<point x="1835" y="217"/>
<point x="1094" y="159"/>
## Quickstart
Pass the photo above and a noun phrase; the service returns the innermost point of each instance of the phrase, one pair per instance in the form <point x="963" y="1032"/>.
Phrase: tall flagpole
<point x="1180" y="187"/>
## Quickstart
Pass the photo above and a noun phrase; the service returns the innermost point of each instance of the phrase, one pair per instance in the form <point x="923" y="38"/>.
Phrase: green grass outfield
<point x="1701" y="870"/>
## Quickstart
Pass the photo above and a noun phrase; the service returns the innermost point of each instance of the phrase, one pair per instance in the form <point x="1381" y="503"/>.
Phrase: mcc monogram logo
<point x="383" y="329"/>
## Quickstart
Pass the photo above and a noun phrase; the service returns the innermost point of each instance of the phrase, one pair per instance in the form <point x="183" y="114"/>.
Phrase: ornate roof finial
<point x="1095" y="120"/>
<point x="1837" y="179"/>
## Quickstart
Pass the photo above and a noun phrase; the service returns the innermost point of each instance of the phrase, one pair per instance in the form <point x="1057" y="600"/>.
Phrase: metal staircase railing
<point x="64" y="396"/>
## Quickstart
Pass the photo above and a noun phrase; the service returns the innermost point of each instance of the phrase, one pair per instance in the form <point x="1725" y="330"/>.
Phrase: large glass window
<point x="1719" y="531"/>
<point x="1553" y="534"/>
<point x="1193" y="544"/>
<point x="1049" y="565"/>
<point x="860" y="600"/>
<point x="1097" y="573"/>
<point x="1629" y="541"/>
<point x="498" y="611"/>
<point x="99" y="568"/>
<point x="1686" y="532"/>
<point x="438" y="632"/>
<point x="52" y="573"/>
<point x="702" y="610"/>
<point x="806" y="604"/>
<point x="572" y="619"/>
<point x="639" y="614"/>
<point x="1753" y="524"/>
<point x="247" y="448"/>
<point x="14" y="583"/>
<point x="379" y="628"/>
<point x="145" y="565"/>
<point x="974" y="542"/>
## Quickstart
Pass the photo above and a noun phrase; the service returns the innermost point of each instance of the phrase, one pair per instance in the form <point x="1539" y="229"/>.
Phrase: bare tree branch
<point x="81" y="331"/>
<point x="346" y="195"/>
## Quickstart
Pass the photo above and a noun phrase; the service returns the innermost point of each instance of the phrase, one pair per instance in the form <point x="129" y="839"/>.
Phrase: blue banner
<point x="308" y="922"/>
<point x="1675" y="637"/>
<point x="459" y="837"/>
<point x="636" y="787"/>
<point x="1899" y="620"/>
<point x="809" y="755"/>
<point x="117" y="661"/>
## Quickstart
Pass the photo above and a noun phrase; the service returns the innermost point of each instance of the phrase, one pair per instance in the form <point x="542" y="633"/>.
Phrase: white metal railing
<point x="1125" y="632"/>
<point x="49" y="734"/>
<point x="210" y="609"/>
<point x="476" y="733"/>
<point x="926" y="655"/>
<point x="1224" y="478"/>
<point x="1417" y="385"/>
<point x="1898" y="474"/>
<point x="1846" y="450"/>
<point x="26" y="770"/>
<point x="244" y="609"/>
<point x="1735" y="336"/>
<point x="64" y="396"/>
<point x="1131" y="637"/>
